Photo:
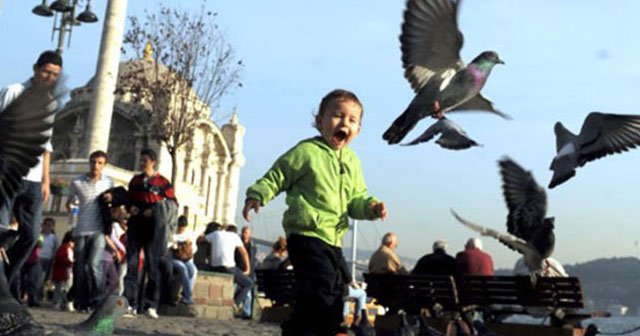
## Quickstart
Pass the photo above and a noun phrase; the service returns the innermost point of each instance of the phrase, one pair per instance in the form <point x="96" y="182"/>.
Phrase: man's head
<point x="474" y="243"/>
<point x="182" y="223"/>
<point x="339" y="118"/>
<point x="440" y="245"/>
<point x="47" y="69"/>
<point x="245" y="234"/>
<point x="97" y="161"/>
<point x="390" y="240"/>
<point x="148" y="159"/>
<point x="231" y="228"/>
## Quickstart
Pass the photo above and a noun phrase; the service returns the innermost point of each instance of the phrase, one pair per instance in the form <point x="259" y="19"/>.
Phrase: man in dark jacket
<point x="438" y="262"/>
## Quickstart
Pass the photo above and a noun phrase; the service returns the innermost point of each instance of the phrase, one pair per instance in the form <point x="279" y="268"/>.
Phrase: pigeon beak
<point x="500" y="61"/>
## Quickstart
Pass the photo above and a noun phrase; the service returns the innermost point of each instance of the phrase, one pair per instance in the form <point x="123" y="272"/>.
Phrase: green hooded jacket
<point x="324" y="187"/>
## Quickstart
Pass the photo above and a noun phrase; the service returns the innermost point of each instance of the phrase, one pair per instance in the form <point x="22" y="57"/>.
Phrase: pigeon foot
<point x="437" y="111"/>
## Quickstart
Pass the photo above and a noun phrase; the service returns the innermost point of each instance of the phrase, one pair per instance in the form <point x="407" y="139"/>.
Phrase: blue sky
<point x="563" y="60"/>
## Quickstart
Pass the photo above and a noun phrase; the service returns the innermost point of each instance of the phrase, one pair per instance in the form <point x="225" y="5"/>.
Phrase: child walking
<point x="323" y="180"/>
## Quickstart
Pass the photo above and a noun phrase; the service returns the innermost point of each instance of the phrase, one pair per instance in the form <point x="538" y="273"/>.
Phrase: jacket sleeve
<point x="281" y="176"/>
<point x="359" y="206"/>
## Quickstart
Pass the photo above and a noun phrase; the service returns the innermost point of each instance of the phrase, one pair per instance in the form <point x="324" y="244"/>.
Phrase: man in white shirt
<point x="88" y="235"/>
<point x="27" y="204"/>
<point x="223" y="247"/>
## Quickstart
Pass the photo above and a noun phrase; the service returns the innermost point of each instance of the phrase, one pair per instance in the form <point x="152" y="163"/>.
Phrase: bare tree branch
<point x="193" y="67"/>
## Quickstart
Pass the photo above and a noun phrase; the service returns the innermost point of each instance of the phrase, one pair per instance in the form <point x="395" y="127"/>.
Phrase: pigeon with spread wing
<point x="602" y="134"/>
<point x="529" y="232"/>
<point x="430" y="44"/>
<point x="23" y="123"/>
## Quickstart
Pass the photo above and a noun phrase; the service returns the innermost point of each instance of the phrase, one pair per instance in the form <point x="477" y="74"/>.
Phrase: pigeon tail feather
<point x="402" y="125"/>
<point x="563" y="136"/>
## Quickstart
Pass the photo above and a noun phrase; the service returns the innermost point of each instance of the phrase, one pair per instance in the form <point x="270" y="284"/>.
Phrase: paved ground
<point x="55" y="320"/>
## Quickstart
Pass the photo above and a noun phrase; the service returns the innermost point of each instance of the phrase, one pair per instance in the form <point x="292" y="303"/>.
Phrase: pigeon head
<point x="488" y="58"/>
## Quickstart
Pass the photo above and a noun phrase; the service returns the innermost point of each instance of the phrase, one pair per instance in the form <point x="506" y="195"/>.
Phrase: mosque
<point x="208" y="166"/>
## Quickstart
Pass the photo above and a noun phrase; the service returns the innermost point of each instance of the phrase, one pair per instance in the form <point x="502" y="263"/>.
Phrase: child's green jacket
<point x="324" y="187"/>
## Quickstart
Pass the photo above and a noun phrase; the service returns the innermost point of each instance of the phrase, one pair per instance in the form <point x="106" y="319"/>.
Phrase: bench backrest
<point x="277" y="285"/>
<point x="412" y="292"/>
<point x="521" y="291"/>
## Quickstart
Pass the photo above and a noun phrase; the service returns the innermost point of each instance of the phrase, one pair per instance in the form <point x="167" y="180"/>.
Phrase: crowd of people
<point x="131" y="240"/>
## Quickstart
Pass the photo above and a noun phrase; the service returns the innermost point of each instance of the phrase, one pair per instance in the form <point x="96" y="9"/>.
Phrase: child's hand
<point x="379" y="209"/>
<point x="250" y="203"/>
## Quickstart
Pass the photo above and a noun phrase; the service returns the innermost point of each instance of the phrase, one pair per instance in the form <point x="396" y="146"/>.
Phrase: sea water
<point x="615" y="324"/>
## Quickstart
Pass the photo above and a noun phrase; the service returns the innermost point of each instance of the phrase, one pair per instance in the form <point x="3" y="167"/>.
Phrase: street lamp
<point x="66" y="10"/>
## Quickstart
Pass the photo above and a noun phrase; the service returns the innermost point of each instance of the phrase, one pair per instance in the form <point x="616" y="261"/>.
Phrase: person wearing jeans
<point x="223" y="247"/>
<point x="88" y="235"/>
<point x="183" y="248"/>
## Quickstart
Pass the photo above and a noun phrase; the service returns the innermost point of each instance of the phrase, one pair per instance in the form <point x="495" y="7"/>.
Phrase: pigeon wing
<point x="526" y="200"/>
<point x="430" y="40"/>
<point x="453" y="136"/>
<point x="23" y="123"/>
<point x="480" y="103"/>
<point x="515" y="243"/>
<point x="603" y="134"/>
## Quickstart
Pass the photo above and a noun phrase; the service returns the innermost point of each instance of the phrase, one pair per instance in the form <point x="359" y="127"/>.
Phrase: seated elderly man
<point x="384" y="260"/>
<point x="436" y="263"/>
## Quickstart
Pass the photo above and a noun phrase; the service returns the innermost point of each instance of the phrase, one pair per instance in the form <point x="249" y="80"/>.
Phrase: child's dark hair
<point x="67" y="237"/>
<point x="333" y="96"/>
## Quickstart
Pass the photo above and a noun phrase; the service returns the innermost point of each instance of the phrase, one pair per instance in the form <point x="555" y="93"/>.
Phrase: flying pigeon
<point x="529" y="231"/>
<point x="453" y="136"/>
<point x="430" y="44"/>
<point x="601" y="134"/>
<point x="22" y="123"/>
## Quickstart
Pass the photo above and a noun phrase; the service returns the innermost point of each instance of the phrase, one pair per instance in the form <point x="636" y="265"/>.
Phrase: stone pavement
<point x="55" y="320"/>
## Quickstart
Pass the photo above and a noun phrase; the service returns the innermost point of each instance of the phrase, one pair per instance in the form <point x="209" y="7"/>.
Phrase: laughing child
<point x="323" y="180"/>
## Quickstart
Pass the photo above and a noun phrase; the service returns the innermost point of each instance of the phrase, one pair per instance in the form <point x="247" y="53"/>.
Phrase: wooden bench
<point x="277" y="286"/>
<point x="501" y="296"/>
<point x="412" y="293"/>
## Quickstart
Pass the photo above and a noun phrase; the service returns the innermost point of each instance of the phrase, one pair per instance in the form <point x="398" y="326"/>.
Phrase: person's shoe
<point x="70" y="307"/>
<point x="152" y="313"/>
<point x="131" y="312"/>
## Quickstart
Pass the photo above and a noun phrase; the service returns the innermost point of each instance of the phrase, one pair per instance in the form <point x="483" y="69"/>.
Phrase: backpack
<point x="184" y="251"/>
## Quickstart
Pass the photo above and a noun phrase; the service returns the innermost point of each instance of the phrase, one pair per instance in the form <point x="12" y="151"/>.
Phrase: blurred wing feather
<point x="603" y="134"/>
<point x="23" y="123"/>
<point x="526" y="200"/>
<point x="430" y="40"/>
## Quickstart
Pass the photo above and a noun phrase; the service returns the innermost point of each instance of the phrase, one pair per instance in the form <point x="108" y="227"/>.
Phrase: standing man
<point x="250" y="246"/>
<point x="474" y="261"/>
<point x="385" y="260"/>
<point x="148" y="230"/>
<point x="223" y="248"/>
<point x="88" y="235"/>
<point x="27" y="204"/>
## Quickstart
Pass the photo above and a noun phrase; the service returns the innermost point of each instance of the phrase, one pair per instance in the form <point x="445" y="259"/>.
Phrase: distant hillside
<point x="606" y="281"/>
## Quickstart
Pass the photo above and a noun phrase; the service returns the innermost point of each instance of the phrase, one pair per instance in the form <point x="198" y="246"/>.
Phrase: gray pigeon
<point x="102" y="321"/>
<point x="601" y="134"/>
<point x="529" y="231"/>
<point x="22" y="124"/>
<point x="430" y="44"/>
<point x="453" y="136"/>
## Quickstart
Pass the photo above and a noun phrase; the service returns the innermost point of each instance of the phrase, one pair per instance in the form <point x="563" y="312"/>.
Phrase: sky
<point x="564" y="59"/>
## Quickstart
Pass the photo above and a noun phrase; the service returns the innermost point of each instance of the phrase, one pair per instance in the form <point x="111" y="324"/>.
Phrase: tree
<point x="187" y="68"/>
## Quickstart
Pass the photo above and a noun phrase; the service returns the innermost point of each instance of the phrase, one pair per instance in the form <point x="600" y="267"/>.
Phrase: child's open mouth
<point x="339" y="137"/>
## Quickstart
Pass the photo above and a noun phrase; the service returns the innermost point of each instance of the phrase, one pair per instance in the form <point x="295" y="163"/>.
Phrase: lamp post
<point x="65" y="18"/>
